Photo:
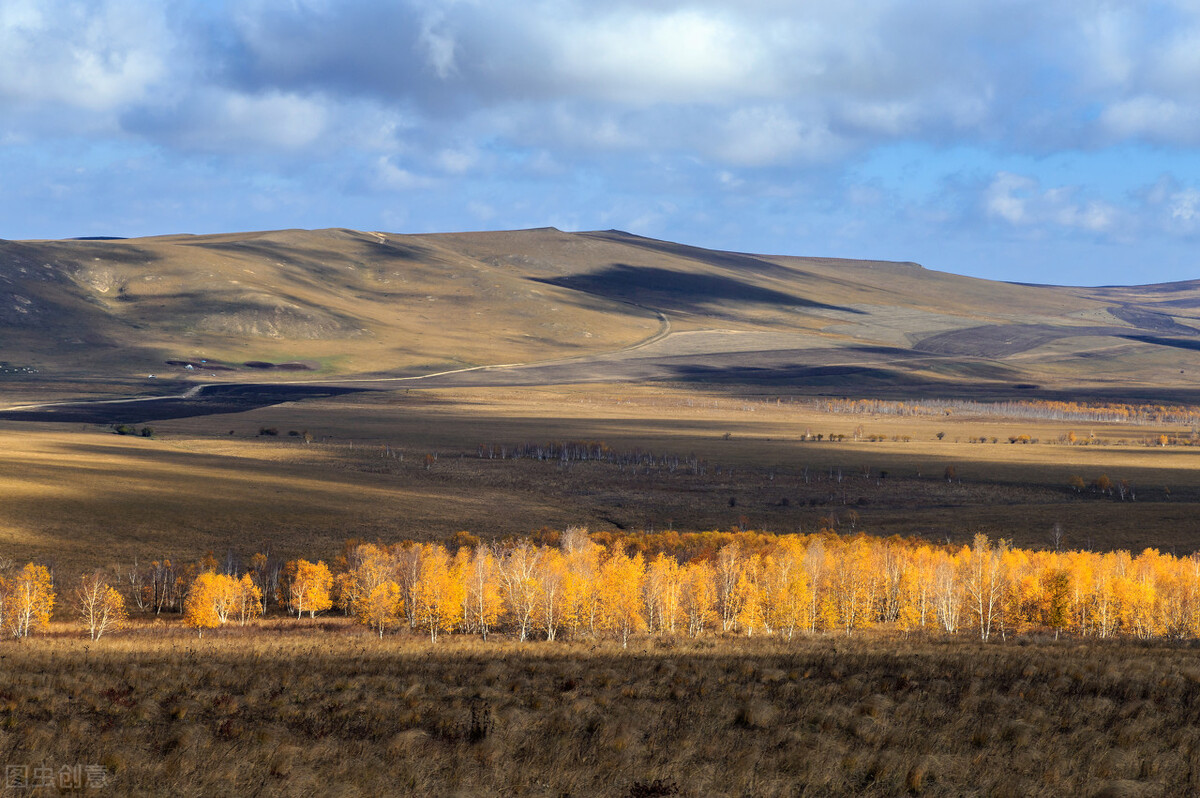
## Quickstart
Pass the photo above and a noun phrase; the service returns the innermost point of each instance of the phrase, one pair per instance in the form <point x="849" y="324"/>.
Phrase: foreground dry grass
<point x="279" y="710"/>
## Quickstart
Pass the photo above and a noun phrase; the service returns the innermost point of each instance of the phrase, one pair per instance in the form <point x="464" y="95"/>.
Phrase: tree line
<point x="578" y="585"/>
<point x="1046" y="409"/>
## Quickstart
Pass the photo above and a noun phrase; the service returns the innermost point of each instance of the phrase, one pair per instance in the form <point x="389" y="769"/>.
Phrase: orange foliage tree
<point x="204" y="606"/>
<point x="484" y="602"/>
<point x="309" y="587"/>
<point x="381" y="609"/>
<point x="29" y="600"/>
<point x="620" y="592"/>
<point x="247" y="599"/>
<point x="438" y="595"/>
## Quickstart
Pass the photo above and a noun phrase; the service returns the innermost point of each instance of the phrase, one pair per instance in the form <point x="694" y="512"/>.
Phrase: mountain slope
<point x="336" y="304"/>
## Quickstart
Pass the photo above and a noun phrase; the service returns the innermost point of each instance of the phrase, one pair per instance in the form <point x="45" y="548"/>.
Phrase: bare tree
<point x="100" y="606"/>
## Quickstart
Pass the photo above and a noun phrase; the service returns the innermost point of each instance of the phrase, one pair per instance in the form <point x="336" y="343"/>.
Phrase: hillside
<point x="329" y="306"/>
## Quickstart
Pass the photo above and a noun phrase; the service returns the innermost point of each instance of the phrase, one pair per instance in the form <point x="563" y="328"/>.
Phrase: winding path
<point x="237" y="396"/>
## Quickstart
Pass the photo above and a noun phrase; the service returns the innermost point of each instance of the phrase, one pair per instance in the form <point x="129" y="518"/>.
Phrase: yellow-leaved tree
<point x="747" y="598"/>
<point x="310" y="586"/>
<point x="484" y="602"/>
<point x="785" y="589"/>
<point x="698" y="596"/>
<point x="202" y="603"/>
<point x="620" y="591"/>
<point x="551" y="608"/>
<point x="382" y="608"/>
<point x="438" y="594"/>
<point x="517" y="569"/>
<point x="369" y="567"/>
<point x="29" y="600"/>
<point x="583" y="568"/>
<point x="662" y="594"/>
<point x="248" y="599"/>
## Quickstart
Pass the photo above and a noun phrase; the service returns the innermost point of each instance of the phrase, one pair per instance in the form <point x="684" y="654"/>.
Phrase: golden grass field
<point x="81" y="496"/>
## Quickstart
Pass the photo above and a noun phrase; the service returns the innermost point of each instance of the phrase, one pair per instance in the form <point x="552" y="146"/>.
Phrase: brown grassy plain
<point x="80" y="496"/>
<point x="291" y="708"/>
<point x="77" y="492"/>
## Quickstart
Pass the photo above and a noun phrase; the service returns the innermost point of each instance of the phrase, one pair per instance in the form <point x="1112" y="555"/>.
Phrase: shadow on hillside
<point x="311" y="257"/>
<point x="84" y="251"/>
<point x="665" y="289"/>
<point x="1002" y="340"/>
<point x="212" y="400"/>
<point x="1175" y="343"/>
<point x="845" y="378"/>
<point x="1152" y="321"/>
<point x="728" y="260"/>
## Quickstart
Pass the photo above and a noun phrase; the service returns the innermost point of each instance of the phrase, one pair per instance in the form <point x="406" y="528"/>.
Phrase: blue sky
<point x="1031" y="141"/>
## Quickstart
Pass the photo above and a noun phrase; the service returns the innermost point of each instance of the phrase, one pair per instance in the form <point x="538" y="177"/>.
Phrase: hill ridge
<point x="356" y="303"/>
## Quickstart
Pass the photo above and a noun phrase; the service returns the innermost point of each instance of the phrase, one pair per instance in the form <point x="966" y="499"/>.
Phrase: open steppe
<point x="316" y="386"/>
<point x="387" y="349"/>
<point x="395" y="465"/>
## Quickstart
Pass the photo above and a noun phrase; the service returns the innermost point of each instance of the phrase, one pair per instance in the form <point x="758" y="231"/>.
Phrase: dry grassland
<point x="80" y="496"/>
<point x="290" y="707"/>
<point x="285" y="709"/>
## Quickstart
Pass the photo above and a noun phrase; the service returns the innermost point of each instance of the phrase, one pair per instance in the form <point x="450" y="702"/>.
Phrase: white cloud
<point x="858" y="72"/>
<point x="1020" y="201"/>
<point x="1153" y="118"/>
<point x="1107" y="47"/>
<point x="458" y="161"/>
<point x="439" y="47"/>
<point x="1174" y="67"/>
<point x="94" y="57"/>
<point x="681" y="56"/>
<point x="1172" y="206"/>
<point x="763" y="136"/>
<point x="390" y="177"/>
<point x="889" y="118"/>
<point x="567" y="127"/>
<point x="1008" y="197"/>
<point x="729" y="181"/>
<point x="1185" y="206"/>
<point x="275" y="119"/>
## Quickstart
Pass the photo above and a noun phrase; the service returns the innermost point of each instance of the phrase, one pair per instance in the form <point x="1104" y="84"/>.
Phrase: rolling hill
<point x="338" y="307"/>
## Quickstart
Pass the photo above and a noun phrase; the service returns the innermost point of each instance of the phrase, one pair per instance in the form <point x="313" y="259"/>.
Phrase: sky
<point x="1044" y="141"/>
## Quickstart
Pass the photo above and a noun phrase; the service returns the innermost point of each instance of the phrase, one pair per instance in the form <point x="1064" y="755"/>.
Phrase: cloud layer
<point x="972" y="137"/>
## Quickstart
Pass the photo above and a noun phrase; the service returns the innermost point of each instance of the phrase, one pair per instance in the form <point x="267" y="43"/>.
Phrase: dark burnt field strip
<point x="794" y="368"/>
<point x="209" y="400"/>
<point x="1002" y="340"/>
<point x="848" y="371"/>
